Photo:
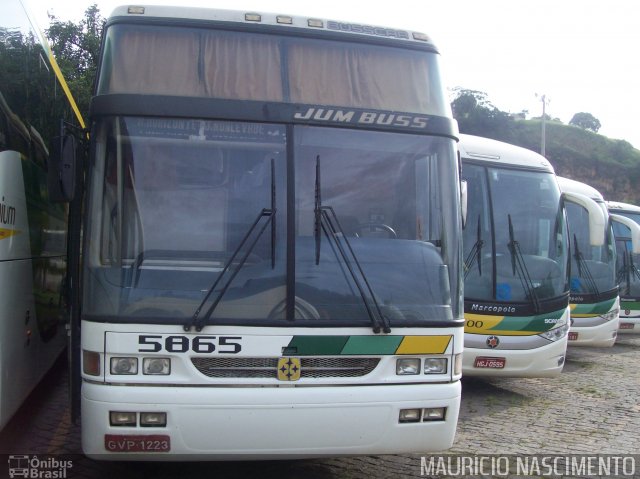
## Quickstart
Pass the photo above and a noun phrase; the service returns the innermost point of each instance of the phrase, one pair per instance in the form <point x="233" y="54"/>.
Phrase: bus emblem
<point x="493" y="341"/>
<point x="288" y="369"/>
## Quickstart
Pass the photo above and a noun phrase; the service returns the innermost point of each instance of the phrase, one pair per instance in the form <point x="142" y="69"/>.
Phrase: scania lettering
<point x="516" y="262"/>
<point x="594" y="290"/>
<point x="272" y="243"/>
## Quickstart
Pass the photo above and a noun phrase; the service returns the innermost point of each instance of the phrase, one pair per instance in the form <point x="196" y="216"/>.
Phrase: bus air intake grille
<point x="325" y="367"/>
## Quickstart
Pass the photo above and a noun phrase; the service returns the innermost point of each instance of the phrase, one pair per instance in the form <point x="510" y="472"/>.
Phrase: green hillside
<point x="611" y="166"/>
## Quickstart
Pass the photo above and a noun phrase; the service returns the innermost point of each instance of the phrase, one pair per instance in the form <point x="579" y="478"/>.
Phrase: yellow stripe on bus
<point x="54" y="64"/>
<point x="481" y="323"/>
<point x="424" y="345"/>
<point x="65" y="87"/>
<point x="6" y="233"/>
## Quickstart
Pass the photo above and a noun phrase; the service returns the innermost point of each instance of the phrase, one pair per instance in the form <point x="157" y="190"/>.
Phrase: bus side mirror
<point x="633" y="227"/>
<point x="62" y="168"/>
<point x="463" y="201"/>
<point x="597" y="220"/>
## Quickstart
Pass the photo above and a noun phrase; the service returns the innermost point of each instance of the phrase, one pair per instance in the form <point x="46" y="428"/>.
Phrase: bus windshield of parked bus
<point x="627" y="263"/>
<point x="181" y="208"/>
<point x="514" y="240"/>
<point x="592" y="267"/>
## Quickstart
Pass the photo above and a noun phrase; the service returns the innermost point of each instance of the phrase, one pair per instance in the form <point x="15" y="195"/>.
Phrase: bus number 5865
<point x="182" y="344"/>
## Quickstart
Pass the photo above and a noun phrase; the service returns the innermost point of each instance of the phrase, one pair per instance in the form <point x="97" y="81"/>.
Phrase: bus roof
<point x="486" y="149"/>
<point x="619" y="206"/>
<point x="575" y="186"/>
<point x="275" y="20"/>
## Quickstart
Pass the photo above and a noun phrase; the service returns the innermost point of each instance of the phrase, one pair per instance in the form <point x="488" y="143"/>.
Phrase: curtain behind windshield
<point x="227" y="65"/>
<point x="337" y="74"/>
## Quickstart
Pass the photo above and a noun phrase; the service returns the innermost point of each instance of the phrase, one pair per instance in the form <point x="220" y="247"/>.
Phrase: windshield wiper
<point x="475" y="253"/>
<point x="269" y="213"/>
<point x="628" y="270"/>
<point x="317" y="212"/>
<point x="518" y="265"/>
<point x="583" y="268"/>
<point x="327" y="220"/>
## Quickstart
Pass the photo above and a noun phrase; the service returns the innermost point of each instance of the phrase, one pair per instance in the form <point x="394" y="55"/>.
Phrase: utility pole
<point x="544" y="100"/>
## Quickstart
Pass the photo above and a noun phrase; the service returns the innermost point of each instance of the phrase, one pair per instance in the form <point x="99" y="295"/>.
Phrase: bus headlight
<point x="556" y="333"/>
<point x="153" y="419"/>
<point x="124" y="366"/>
<point x="611" y="315"/>
<point x="405" y="366"/>
<point x="410" y="415"/>
<point x="434" y="414"/>
<point x="156" y="366"/>
<point x="435" y="365"/>
<point x="121" y="418"/>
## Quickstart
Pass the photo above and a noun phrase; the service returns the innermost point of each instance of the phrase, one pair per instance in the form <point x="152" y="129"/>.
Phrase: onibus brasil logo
<point x="37" y="468"/>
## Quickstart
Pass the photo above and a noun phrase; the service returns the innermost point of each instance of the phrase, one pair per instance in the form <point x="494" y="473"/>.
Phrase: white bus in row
<point x="272" y="246"/>
<point x="628" y="264"/>
<point x="516" y="252"/>
<point x="33" y="229"/>
<point x="594" y="289"/>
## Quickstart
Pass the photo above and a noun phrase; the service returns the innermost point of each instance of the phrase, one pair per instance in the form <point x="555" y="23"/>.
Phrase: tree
<point x="467" y="102"/>
<point x="586" y="121"/>
<point x="476" y="115"/>
<point x="76" y="48"/>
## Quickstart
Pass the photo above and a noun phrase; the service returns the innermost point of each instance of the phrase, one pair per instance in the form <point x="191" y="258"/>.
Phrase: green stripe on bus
<point x="629" y="304"/>
<point x="316" y="345"/>
<point x="372" y="344"/>
<point x="593" y="308"/>
<point x="363" y="345"/>
<point x="536" y="324"/>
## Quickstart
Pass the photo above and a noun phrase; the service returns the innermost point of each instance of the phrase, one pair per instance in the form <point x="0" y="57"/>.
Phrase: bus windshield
<point x="627" y="263"/>
<point x="515" y="238"/>
<point x="326" y="226"/>
<point x="592" y="267"/>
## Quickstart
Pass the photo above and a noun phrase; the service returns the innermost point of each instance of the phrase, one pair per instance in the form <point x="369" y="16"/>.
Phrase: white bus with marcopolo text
<point x="272" y="248"/>
<point x="33" y="229"/>
<point x="627" y="264"/>
<point x="516" y="293"/>
<point x="594" y="289"/>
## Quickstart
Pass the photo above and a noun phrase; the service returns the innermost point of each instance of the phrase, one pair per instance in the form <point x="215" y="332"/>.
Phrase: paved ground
<point x="592" y="408"/>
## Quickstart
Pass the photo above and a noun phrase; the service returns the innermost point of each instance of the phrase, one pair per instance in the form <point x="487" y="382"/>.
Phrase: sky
<point x="580" y="55"/>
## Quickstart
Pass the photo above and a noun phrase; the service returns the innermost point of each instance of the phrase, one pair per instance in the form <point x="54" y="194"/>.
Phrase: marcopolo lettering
<point x="492" y="308"/>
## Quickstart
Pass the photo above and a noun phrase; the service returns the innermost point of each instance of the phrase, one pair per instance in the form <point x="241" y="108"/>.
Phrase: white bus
<point x="516" y="294"/>
<point x="272" y="248"/>
<point x="594" y="289"/>
<point x="33" y="229"/>
<point x="628" y="264"/>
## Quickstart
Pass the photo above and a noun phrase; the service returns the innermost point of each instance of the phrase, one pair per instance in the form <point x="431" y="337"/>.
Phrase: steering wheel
<point x="379" y="227"/>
